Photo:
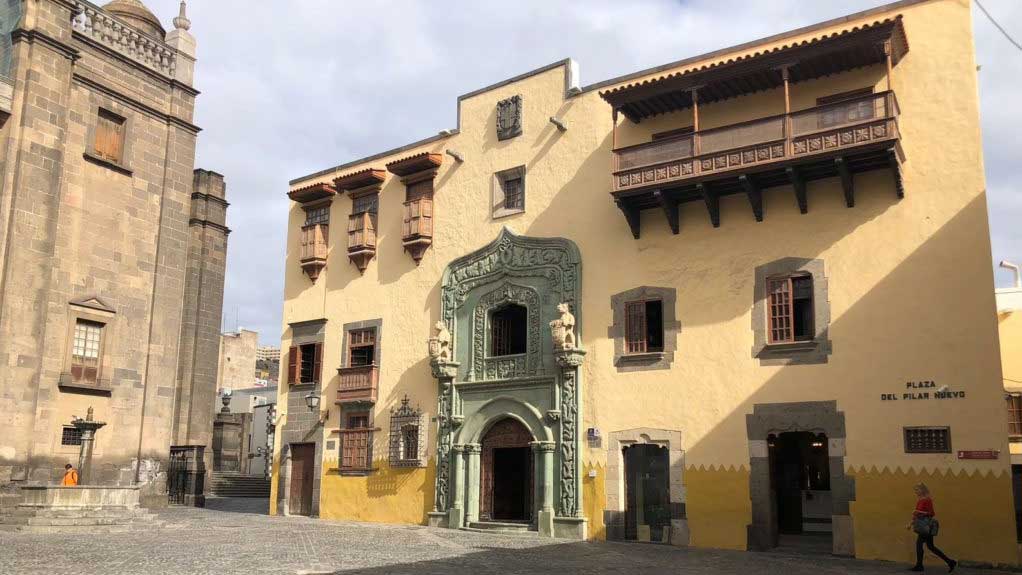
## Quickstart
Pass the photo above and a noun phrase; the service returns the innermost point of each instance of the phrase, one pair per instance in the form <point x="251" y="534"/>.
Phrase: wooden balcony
<point x="834" y="140"/>
<point x="361" y="239"/>
<point x="417" y="227"/>
<point x="314" y="246"/>
<point x="358" y="384"/>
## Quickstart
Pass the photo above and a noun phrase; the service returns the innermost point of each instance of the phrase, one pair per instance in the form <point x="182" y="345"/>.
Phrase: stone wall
<point x="238" y="359"/>
<point x="84" y="237"/>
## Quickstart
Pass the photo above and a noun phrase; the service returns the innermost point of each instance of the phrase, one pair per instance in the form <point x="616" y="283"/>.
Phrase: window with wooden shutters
<point x="644" y="326"/>
<point x="418" y="206"/>
<point x="361" y="347"/>
<point x="845" y="107"/>
<point x="790" y="309"/>
<point x="305" y="363"/>
<point x="109" y="136"/>
<point x="356" y="443"/>
<point x="362" y="221"/>
<point x="85" y="351"/>
<point x="1014" y="416"/>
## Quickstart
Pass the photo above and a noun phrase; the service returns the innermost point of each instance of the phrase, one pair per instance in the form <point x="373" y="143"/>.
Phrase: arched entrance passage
<point x="507" y="472"/>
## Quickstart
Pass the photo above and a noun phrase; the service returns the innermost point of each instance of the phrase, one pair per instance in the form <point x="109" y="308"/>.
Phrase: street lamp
<point x="312" y="401"/>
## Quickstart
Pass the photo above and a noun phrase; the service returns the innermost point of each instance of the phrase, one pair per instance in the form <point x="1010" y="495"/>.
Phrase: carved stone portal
<point x="509" y="118"/>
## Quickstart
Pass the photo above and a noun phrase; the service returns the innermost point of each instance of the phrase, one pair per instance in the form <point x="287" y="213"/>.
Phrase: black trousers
<point x="928" y="540"/>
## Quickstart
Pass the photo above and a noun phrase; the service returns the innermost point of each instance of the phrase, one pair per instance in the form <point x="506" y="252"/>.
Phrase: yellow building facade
<point x="733" y="301"/>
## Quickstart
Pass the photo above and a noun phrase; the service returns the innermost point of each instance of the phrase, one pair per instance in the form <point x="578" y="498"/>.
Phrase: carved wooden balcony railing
<point x="358" y="384"/>
<point x="837" y="139"/>
<point x="315" y="242"/>
<point x="361" y="239"/>
<point x="417" y="227"/>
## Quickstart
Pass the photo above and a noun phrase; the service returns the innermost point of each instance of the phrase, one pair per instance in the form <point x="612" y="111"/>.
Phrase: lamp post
<point x="312" y="402"/>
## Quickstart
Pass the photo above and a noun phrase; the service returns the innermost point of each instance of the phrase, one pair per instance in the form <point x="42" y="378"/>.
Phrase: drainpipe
<point x="1015" y="269"/>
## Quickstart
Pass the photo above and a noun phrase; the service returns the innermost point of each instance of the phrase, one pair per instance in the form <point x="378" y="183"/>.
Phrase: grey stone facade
<point x="145" y="236"/>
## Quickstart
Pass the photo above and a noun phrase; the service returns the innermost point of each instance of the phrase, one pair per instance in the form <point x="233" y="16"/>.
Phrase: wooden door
<point x="303" y="470"/>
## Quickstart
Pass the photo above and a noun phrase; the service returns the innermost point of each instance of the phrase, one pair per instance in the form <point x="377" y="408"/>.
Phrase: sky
<point x="292" y="87"/>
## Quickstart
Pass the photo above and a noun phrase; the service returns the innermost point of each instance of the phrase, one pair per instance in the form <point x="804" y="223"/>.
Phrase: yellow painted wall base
<point x="974" y="511"/>
<point x="388" y="495"/>
<point x="594" y="500"/>
<point x="718" y="506"/>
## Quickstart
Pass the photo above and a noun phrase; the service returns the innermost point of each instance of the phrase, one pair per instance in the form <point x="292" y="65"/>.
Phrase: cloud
<point x="289" y="88"/>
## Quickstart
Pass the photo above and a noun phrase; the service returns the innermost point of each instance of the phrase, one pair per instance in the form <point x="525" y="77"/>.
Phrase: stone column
<point x="444" y="372"/>
<point x="544" y="451"/>
<point x="472" y="451"/>
<point x="85" y="456"/>
<point x="456" y="514"/>
<point x="570" y="522"/>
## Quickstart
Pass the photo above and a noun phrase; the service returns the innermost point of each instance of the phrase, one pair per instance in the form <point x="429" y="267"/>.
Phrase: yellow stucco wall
<point x="389" y="495"/>
<point x="890" y="264"/>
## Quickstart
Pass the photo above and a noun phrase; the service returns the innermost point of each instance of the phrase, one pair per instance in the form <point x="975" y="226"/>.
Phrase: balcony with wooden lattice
<point x="314" y="246"/>
<point x="361" y="239"/>
<point x="417" y="173"/>
<point x="838" y="138"/>
<point x="358" y="384"/>
<point x="417" y="226"/>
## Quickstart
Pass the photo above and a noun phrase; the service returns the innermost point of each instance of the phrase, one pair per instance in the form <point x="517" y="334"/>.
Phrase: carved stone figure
<point x="440" y="344"/>
<point x="562" y="330"/>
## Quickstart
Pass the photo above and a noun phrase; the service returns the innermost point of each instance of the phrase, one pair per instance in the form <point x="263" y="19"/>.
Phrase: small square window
<point x="927" y="440"/>
<point x="509" y="192"/>
<point x="361" y="347"/>
<point x="70" y="436"/>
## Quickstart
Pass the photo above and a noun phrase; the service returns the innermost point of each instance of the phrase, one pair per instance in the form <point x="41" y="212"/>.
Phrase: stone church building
<point x="739" y="300"/>
<point x="112" y="244"/>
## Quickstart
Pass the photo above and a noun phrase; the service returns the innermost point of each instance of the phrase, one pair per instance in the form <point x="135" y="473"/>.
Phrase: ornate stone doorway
<point x="507" y="472"/>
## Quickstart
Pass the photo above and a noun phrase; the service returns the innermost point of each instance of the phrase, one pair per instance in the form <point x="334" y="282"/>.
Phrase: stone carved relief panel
<point x="509" y="117"/>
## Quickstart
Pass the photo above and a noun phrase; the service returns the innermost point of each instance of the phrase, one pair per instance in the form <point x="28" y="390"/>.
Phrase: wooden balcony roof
<point x="820" y="56"/>
<point x="312" y="193"/>
<point x="360" y="179"/>
<point x="415" y="164"/>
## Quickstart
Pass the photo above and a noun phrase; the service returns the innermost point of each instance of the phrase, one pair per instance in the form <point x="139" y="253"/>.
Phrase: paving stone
<point x="236" y="536"/>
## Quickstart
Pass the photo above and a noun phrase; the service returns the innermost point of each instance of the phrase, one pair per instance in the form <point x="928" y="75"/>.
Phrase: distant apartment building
<point x="238" y="359"/>
<point x="268" y="353"/>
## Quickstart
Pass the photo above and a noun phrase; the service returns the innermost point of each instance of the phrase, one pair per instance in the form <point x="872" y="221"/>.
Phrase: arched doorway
<point x="507" y="476"/>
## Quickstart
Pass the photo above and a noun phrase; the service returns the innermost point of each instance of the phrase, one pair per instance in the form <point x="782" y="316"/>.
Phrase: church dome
<point x="136" y="14"/>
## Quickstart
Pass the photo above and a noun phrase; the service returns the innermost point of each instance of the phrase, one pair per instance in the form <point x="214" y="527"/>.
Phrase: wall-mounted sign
<point x="982" y="454"/>
<point x="916" y="390"/>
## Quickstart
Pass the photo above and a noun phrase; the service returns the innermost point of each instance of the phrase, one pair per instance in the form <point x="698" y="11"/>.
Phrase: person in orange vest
<point x="70" y="476"/>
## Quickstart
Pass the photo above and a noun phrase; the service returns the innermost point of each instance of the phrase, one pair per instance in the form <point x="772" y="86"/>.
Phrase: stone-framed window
<point x="305" y="354"/>
<point x="407" y="436"/>
<point x="645" y="328"/>
<point x="87" y="354"/>
<point x="361" y="343"/>
<point x="108" y="142"/>
<point x="791" y="312"/>
<point x="509" y="192"/>
<point x="1014" y="401"/>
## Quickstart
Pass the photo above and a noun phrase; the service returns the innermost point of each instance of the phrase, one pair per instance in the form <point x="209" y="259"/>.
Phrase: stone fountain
<point x="50" y="508"/>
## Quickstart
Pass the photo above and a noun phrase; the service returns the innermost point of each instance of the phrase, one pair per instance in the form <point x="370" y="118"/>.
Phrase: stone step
<point x="79" y="512"/>
<point x="66" y="529"/>
<point x="512" y="532"/>
<point x="506" y="528"/>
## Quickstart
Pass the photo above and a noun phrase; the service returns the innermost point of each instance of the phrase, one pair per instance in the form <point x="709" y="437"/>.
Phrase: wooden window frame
<point x="350" y="437"/>
<point x="675" y="133"/>
<point x="96" y="153"/>
<point x="1014" y="401"/>
<point x="827" y="118"/>
<point x="774" y="309"/>
<point x="640" y="346"/>
<point x="105" y="318"/>
<point x="361" y="344"/>
<point x="500" y="179"/>
<point x="294" y="364"/>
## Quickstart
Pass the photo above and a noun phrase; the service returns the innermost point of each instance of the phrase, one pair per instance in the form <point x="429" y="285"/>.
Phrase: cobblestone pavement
<point x="236" y="537"/>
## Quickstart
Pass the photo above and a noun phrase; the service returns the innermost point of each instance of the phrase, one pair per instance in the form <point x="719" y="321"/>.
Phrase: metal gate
<point x="178" y="478"/>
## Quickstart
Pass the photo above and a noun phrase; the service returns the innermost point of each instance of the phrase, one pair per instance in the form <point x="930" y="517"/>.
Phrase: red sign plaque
<point x="985" y="454"/>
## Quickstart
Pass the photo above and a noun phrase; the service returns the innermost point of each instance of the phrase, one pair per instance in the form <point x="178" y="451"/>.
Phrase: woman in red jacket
<point x="922" y="520"/>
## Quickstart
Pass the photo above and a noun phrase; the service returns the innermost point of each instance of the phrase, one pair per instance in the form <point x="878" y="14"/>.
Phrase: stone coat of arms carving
<point x="509" y="117"/>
